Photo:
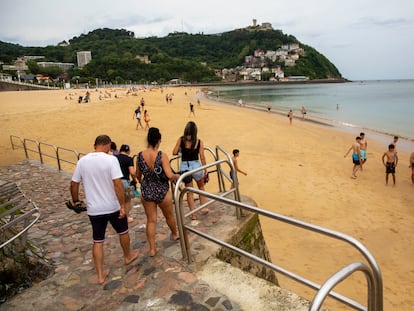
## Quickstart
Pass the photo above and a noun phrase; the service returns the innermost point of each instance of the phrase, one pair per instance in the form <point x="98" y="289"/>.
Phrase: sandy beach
<point x="296" y="170"/>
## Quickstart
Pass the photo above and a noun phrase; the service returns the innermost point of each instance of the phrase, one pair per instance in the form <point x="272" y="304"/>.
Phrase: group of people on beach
<point x="108" y="174"/>
<point x="389" y="158"/>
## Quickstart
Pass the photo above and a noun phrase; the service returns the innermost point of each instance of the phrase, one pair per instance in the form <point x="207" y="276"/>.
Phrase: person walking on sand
<point x="412" y="167"/>
<point x="146" y="119"/>
<point x="303" y="111"/>
<point x="236" y="153"/>
<point x="391" y="163"/>
<point x="127" y="167"/>
<point x="137" y="115"/>
<point x="101" y="176"/>
<point x="395" y="141"/>
<point x="142" y="102"/>
<point x="192" y="157"/>
<point x="191" y="110"/>
<point x="154" y="191"/>
<point x="356" y="156"/>
<point x="290" y="116"/>
<point x="363" y="144"/>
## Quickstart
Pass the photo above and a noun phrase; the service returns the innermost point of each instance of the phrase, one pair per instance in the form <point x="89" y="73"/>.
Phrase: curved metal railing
<point x="372" y="270"/>
<point x="340" y="276"/>
<point x="17" y="214"/>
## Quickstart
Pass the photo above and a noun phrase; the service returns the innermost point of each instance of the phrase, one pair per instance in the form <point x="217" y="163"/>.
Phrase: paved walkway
<point x="163" y="282"/>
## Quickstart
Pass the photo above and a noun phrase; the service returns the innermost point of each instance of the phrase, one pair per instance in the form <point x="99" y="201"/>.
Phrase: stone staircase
<point x="163" y="282"/>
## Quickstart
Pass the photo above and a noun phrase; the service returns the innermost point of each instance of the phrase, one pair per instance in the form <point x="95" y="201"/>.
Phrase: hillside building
<point x="83" y="58"/>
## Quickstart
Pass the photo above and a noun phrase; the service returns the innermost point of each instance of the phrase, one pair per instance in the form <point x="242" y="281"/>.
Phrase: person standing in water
<point x="290" y="116"/>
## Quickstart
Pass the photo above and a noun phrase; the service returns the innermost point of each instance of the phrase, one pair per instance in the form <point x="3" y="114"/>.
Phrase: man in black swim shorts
<point x="101" y="176"/>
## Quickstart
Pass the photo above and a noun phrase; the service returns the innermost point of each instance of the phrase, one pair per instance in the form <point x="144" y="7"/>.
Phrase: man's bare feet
<point x="174" y="237"/>
<point x="102" y="279"/>
<point x="133" y="255"/>
<point x="152" y="252"/>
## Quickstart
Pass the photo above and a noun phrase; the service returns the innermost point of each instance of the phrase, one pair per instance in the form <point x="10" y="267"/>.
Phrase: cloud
<point x="340" y="30"/>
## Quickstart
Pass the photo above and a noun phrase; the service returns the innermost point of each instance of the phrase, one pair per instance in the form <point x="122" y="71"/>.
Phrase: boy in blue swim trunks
<point x="356" y="156"/>
<point x="363" y="144"/>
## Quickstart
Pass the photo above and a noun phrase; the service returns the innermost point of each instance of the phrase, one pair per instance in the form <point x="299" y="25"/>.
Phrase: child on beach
<point x="391" y="164"/>
<point x="146" y="119"/>
<point x="356" y="156"/>
<point x="236" y="153"/>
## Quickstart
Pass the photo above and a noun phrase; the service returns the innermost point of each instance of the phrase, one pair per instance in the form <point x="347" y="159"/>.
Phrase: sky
<point x="364" y="39"/>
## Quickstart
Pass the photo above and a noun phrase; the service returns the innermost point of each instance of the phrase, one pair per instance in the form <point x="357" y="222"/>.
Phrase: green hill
<point x="190" y="57"/>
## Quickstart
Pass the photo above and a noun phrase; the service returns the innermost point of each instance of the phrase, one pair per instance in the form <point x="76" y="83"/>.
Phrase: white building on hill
<point x="83" y="58"/>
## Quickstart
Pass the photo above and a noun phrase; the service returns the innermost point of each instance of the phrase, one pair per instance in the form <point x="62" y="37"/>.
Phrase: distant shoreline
<point x="250" y="83"/>
<point x="13" y="86"/>
<point x="406" y="143"/>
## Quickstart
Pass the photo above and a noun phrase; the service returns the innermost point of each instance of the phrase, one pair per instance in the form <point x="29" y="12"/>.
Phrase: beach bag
<point x="186" y="179"/>
<point x="130" y="192"/>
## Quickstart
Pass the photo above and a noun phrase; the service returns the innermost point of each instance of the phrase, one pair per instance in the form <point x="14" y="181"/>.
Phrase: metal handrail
<point x="16" y="215"/>
<point x="60" y="159"/>
<point x="375" y="299"/>
<point x="25" y="144"/>
<point x="41" y="154"/>
<point x="339" y="277"/>
<point x="184" y="242"/>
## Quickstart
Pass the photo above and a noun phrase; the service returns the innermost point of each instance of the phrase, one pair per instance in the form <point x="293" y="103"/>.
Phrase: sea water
<point x="385" y="106"/>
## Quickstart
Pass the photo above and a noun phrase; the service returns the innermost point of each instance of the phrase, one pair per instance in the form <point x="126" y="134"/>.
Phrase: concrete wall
<point x="10" y="86"/>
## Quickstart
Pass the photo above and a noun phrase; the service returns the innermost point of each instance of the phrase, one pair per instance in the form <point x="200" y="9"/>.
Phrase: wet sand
<point x="297" y="170"/>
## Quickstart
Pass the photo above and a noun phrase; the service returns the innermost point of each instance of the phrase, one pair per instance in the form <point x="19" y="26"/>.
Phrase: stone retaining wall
<point x="250" y="238"/>
<point x="21" y="267"/>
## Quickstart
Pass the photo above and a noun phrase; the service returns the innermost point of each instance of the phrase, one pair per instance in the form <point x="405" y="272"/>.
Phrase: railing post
<point x="57" y="158"/>
<point x="40" y="152"/>
<point x="25" y="149"/>
<point x="180" y="221"/>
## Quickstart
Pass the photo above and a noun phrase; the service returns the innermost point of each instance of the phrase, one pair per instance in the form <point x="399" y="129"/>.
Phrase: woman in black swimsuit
<point x="154" y="191"/>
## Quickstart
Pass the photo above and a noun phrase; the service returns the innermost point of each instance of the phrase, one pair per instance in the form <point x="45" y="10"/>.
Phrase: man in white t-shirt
<point x="101" y="176"/>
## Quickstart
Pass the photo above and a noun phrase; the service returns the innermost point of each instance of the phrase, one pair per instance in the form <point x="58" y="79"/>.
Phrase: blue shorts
<point x="355" y="159"/>
<point x="192" y="165"/>
<point x="99" y="223"/>
<point x="363" y="154"/>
